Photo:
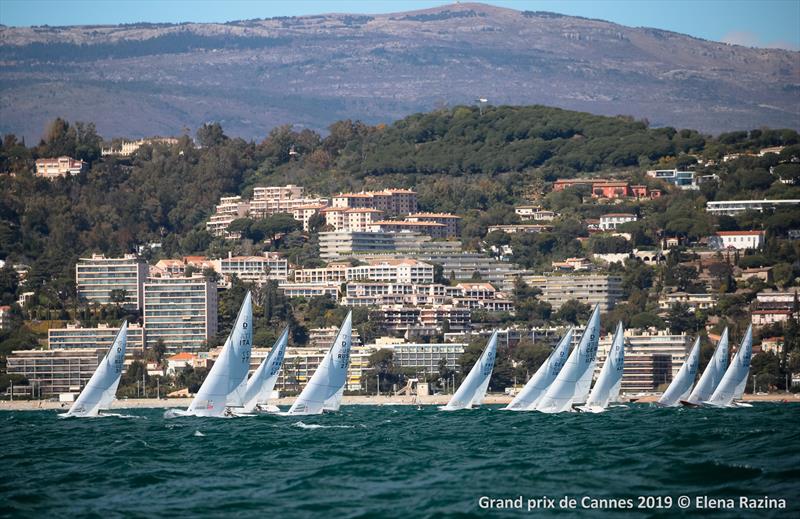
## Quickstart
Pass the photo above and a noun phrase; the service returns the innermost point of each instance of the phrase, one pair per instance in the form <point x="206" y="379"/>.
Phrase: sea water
<point x="398" y="461"/>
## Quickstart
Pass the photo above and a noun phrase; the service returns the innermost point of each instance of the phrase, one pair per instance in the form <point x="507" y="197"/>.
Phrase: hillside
<point x="146" y="79"/>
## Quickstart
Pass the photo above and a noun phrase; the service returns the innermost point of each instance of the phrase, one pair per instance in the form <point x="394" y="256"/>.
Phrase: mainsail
<point x="262" y="382"/>
<point x="570" y="385"/>
<point x="223" y="385"/>
<point x="731" y="387"/>
<point x="606" y="389"/>
<point x="681" y="386"/>
<point x="102" y="386"/>
<point x="473" y="389"/>
<point x="713" y="373"/>
<point x="527" y="399"/>
<point x="330" y="377"/>
<point x="333" y="403"/>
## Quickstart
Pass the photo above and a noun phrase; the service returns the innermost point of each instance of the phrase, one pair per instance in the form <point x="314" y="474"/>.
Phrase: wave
<point x="302" y="425"/>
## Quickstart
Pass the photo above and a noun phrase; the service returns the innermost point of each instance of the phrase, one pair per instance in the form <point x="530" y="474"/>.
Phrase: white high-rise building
<point x="111" y="280"/>
<point x="180" y="311"/>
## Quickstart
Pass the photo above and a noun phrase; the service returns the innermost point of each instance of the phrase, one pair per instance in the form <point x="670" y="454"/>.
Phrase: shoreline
<point x="164" y="403"/>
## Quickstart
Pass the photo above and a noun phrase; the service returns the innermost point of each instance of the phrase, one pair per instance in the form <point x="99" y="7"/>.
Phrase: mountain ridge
<point x="142" y="79"/>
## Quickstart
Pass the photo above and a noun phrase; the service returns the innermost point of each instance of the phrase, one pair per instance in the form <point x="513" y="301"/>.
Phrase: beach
<point x="491" y="399"/>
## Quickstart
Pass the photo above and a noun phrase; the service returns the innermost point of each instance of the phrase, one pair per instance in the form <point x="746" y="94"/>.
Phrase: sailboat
<point x="473" y="389"/>
<point x="606" y="389"/>
<point x="262" y="382"/>
<point x="712" y="375"/>
<point x="99" y="392"/>
<point x="533" y="391"/>
<point x="731" y="387"/>
<point x="324" y="391"/>
<point x="225" y="384"/>
<point x="681" y="385"/>
<point x="571" y="386"/>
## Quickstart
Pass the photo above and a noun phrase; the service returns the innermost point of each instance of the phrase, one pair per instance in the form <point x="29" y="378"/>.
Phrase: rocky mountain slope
<point x="147" y="79"/>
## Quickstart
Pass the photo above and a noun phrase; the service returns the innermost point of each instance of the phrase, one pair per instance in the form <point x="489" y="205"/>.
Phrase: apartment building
<point x="681" y="179"/>
<point x="258" y="269"/>
<point x="107" y="281"/>
<point x="589" y="289"/>
<point x="58" y="167"/>
<point x="304" y="213"/>
<point x="128" y="148"/>
<point x="651" y="359"/>
<point x="391" y="201"/>
<point x="432" y="229"/>
<point x="398" y="270"/>
<point x="51" y="372"/>
<point x="182" y="312"/>
<point x="693" y="301"/>
<point x="311" y="290"/>
<point x="451" y="222"/>
<point x="357" y="219"/>
<point x="299" y="365"/>
<point x="230" y="208"/>
<point x="519" y="228"/>
<point x="415" y="320"/>
<point x="340" y="244"/>
<point x="423" y="356"/>
<point x="74" y="336"/>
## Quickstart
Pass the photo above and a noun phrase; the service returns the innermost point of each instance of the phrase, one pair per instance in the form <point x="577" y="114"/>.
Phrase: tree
<point x="573" y="311"/>
<point x="681" y="319"/>
<point x="118" y="296"/>
<point x="210" y="135"/>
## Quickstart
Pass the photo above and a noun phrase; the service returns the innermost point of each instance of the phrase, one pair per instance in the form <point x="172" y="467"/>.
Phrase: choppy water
<point x="392" y="461"/>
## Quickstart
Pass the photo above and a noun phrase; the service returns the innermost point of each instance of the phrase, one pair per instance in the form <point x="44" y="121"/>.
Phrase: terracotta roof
<point x="182" y="356"/>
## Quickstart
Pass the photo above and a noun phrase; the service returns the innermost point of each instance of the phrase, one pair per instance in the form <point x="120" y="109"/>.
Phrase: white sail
<point x="99" y="392"/>
<point x="473" y="389"/>
<point x="331" y="375"/>
<point x="561" y="394"/>
<point x="333" y="403"/>
<point x="713" y="373"/>
<point x="681" y="386"/>
<point x="606" y="389"/>
<point x="731" y="387"/>
<point x="262" y="382"/>
<point x="527" y="399"/>
<point x="224" y="380"/>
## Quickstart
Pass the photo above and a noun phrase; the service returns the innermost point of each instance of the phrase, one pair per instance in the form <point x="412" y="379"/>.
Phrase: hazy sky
<point x="759" y="23"/>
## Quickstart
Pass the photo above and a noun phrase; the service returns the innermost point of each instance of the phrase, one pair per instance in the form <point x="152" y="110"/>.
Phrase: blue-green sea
<point x="398" y="461"/>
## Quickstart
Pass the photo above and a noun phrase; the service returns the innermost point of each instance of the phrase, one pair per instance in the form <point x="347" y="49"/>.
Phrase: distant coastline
<point x="144" y="403"/>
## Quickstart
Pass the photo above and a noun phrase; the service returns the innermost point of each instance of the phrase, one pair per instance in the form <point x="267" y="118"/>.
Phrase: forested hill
<point x="474" y="162"/>
<point x="143" y="79"/>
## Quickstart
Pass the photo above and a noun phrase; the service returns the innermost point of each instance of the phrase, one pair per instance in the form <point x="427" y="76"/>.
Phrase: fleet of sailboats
<point x="561" y="384"/>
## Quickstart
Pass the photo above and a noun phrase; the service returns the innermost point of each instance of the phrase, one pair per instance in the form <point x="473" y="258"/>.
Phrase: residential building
<point x="451" y="222"/>
<point x="610" y="221"/>
<point x="651" y="359"/>
<point x="740" y="240"/>
<point x="772" y="345"/>
<point x="564" y="183"/>
<point x="304" y="213"/>
<point x="230" y="208"/>
<point x="734" y="207"/>
<point x="269" y="200"/>
<point x="397" y="270"/>
<point x="258" y="269"/>
<point x="299" y="365"/>
<point x="180" y="362"/>
<point x="432" y="229"/>
<point x="51" y="372"/>
<point x="769" y="316"/>
<point x="611" y="189"/>
<point x="693" y="301"/>
<point x="58" y="167"/>
<point x="74" y="336"/>
<point x="335" y="272"/>
<point x="390" y="201"/>
<point x="423" y="357"/>
<point x="310" y="290"/>
<point x="681" y="179"/>
<point x="107" y="281"/>
<point x="467" y="295"/>
<point x="573" y="264"/>
<point x="357" y="219"/>
<point x="324" y="337"/>
<point x="181" y="312"/>
<point x="415" y="320"/>
<point x="589" y="289"/>
<point x="340" y="244"/>
<point x="534" y="212"/>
